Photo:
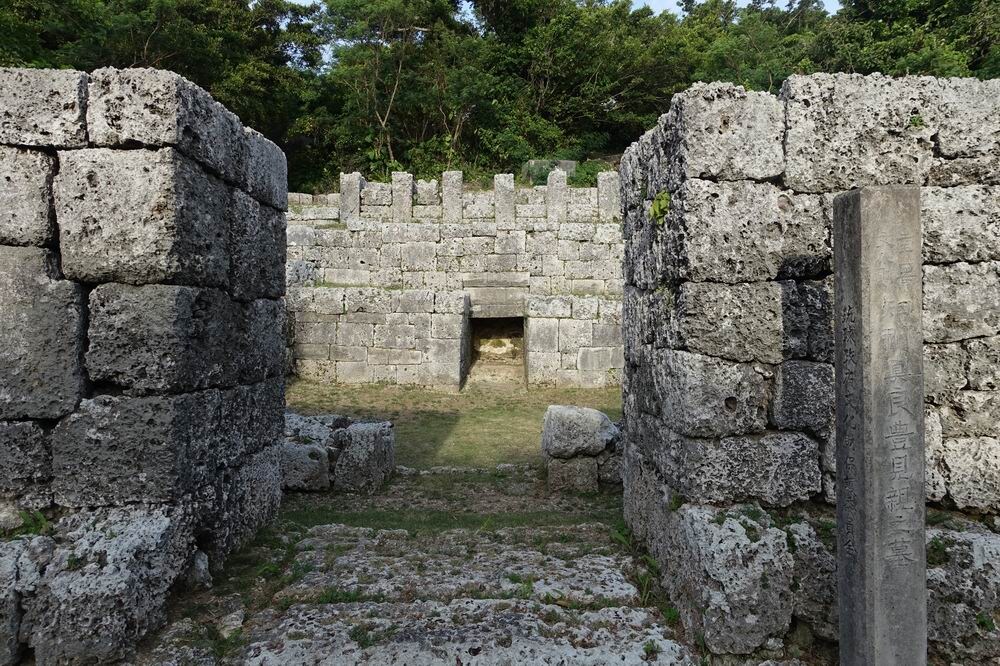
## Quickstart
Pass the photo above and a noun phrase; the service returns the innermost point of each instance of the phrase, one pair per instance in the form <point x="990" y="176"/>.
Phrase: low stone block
<point x="41" y="322"/>
<point x="44" y="107"/>
<point x="141" y="217"/>
<point x="304" y="466"/>
<point x="105" y="586"/>
<point x="26" y="197"/>
<point x="579" y="475"/>
<point x="367" y="458"/>
<point x="569" y="431"/>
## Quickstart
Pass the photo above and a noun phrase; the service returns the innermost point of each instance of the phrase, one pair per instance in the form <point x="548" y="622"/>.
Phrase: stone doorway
<point x="497" y="350"/>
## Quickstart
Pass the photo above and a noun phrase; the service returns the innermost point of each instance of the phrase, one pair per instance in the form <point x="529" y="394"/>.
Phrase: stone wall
<point x="142" y="246"/>
<point x="728" y="383"/>
<point x="384" y="277"/>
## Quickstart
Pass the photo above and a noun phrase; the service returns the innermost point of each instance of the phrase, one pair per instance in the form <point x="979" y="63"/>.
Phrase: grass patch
<point x="33" y="523"/>
<point x="475" y="428"/>
<point x="985" y="622"/>
<point x="937" y="551"/>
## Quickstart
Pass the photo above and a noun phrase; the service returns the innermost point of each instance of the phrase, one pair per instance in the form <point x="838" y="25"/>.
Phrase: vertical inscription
<point x="880" y="449"/>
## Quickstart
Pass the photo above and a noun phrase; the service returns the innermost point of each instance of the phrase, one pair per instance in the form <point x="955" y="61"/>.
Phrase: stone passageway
<point x="446" y="567"/>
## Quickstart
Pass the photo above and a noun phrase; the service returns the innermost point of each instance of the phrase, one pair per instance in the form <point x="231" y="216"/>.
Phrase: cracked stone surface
<point x="455" y="567"/>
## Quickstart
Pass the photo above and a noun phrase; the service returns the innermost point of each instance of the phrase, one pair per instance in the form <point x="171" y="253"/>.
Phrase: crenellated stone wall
<point x="142" y="250"/>
<point x="385" y="278"/>
<point x="728" y="323"/>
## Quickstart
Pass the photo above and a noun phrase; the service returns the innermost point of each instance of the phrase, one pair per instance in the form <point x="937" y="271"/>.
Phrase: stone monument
<point x="881" y="559"/>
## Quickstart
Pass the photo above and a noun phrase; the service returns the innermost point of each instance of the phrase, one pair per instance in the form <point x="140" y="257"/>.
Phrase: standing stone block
<point x="402" y="197"/>
<point x="555" y="196"/>
<point x="257" y="249"/>
<point x="141" y="217"/>
<point x="451" y="197"/>
<point x="742" y="322"/>
<point x="609" y="206"/>
<point x="44" y="107"/>
<point x="720" y="131"/>
<point x="350" y="197"/>
<point x="26" y="197"/>
<point x="153" y="107"/>
<point x="427" y="194"/>
<point x="41" y="326"/>
<point x="503" y="188"/>
<point x="880" y="428"/>
<point x="579" y="475"/>
<point x="569" y="431"/>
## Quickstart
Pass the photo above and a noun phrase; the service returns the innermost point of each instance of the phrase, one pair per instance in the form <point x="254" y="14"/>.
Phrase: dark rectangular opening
<point x="497" y="350"/>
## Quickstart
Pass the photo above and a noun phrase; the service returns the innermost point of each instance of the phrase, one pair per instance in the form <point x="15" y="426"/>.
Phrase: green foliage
<point x="650" y="649"/>
<point x="660" y="207"/>
<point x="428" y="85"/>
<point x="937" y="551"/>
<point x="985" y="622"/>
<point x="33" y="523"/>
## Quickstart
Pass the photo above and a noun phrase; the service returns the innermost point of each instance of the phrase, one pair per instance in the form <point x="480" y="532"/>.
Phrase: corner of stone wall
<point x="142" y="244"/>
<point x="727" y="318"/>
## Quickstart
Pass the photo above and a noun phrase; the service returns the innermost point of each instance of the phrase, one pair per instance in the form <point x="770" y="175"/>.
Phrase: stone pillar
<point x="350" y="197"/>
<point x="609" y="206"/>
<point x="503" y="193"/>
<point x="402" y="196"/>
<point x="555" y="196"/>
<point x="880" y="431"/>
<point x="451" y="196"/>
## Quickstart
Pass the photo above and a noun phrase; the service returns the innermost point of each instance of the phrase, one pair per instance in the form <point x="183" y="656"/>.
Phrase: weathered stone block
<point x="25" y="464"/>
<point x="961" y="223"/>
<point x="153" y="107"/>
<point x="984" y="364"/>
<point x="741" y="322"/>
<point x="44" y="107"/>
<point x="256" y="249"/>
<point x="265" y="171"/>
<point x="944" y="370"/>
<point x="804" y="398"/>
<point x="576" y="431"/>
<point x="106" y="585"/>
<point x="702" y="396"/>
<point x="120" y="450"/>
<point x="961" y="301"/>
<point x="971" y="471"/>
<point x="304" y="466"/>
<point x="720" y="131"/>
<point x="141" y="217"/>
<point x="451" y="196"/>
<point x="41" y="322"/>
<point x="742" y="232"/>
<point x="971" y="413"/>
<point x="26" y="197"/>
<point x="167" y="338"/>
<point x="848" y="130"/>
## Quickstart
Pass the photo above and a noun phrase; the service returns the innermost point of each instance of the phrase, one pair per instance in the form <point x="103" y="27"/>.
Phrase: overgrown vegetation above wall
<point x="428" y="85"/>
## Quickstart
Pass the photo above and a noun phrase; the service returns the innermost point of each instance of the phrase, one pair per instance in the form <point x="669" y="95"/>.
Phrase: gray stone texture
<point x="43" y="107"/>
<point x="164" y="338"/>
<point x="367" y="457"/>
<point x="729" y="298"/>
<point x="880" y="429"/>
<point x="579" y="475"/>
<point x="26" y="197"/>
<point x="569" y="431"/>
<point x="141" y="217"/>
<point x="170" y="217"/>
<point x="41" y="321"/>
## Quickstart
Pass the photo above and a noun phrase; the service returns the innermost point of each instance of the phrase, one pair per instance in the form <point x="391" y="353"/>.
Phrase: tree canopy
<point x="483" y="85"/>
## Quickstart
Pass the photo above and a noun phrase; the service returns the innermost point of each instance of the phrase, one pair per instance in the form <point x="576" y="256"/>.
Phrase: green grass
<point x="474" y="428"/>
